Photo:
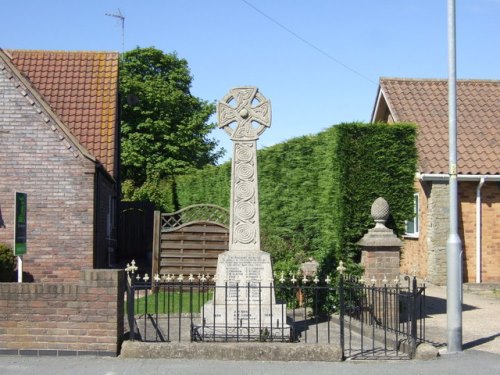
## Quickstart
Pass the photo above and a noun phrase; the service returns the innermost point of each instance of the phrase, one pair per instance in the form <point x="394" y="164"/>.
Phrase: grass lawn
<point x="172" y="302"/>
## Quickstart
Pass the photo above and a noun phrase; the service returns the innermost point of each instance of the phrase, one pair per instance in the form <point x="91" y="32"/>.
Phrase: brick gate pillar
<point x="380" y="247"/>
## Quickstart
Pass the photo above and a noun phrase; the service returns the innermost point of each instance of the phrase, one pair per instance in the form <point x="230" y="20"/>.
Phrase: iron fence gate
<point x="365" y="320"/>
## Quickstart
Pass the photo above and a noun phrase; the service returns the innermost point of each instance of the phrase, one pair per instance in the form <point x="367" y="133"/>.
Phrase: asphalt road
<point x="466" y="363"/>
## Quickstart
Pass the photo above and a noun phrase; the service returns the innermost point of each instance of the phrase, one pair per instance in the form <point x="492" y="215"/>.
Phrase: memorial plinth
<point x="244" y="300"/>
<point x="380" y="247"/>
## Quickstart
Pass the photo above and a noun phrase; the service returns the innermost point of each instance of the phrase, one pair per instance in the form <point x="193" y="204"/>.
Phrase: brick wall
<point x="63" y="318"/>
<point x="414" y="255"/>
<point x="467" y="228"/>
<point x="490" y="230"/>
<point x="426" y="255"/>
<point x="38" y="159"/>
<point x="381" y="263"/>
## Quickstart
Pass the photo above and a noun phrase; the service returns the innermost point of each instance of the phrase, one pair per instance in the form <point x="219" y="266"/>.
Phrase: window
<point x="412" y="226"/>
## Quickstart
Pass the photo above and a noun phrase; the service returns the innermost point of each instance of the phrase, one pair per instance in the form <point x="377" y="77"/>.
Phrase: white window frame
<point x="415" y="220"/>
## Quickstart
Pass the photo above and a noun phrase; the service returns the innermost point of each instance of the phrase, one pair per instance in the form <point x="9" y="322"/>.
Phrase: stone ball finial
<point x="380" y="211"/>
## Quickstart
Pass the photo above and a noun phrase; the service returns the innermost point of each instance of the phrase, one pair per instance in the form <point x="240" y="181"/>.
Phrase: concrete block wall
<point x="84" y="317"/>
<point x="38" y="159"/>
<point x="437" y="234"/>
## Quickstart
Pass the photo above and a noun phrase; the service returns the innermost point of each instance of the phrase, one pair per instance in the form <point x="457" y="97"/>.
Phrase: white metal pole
<point x="454" y="244"/>
<point x="19" y="268"/>
<point x="479" y="224"/>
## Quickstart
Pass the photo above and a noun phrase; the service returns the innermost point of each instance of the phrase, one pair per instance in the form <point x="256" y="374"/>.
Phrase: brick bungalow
<point x="425" y="103"/>
<point x="59" y="144"/>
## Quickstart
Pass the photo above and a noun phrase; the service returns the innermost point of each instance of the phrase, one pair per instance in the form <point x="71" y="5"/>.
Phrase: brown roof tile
<point x="82" y="89"/>
<point x="425" y="102"/>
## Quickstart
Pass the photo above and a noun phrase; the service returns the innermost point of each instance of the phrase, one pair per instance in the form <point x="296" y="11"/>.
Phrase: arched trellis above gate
<point x="207" y="213"/>
<point x="189" y="241"/>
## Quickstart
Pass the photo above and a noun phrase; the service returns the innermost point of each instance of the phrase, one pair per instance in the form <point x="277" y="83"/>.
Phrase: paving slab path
<point x="480" y="318"/>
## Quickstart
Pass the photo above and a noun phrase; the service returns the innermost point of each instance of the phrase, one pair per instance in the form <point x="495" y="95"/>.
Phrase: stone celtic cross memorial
<point x="244" y="302"/>
<point x="244" y="231"/>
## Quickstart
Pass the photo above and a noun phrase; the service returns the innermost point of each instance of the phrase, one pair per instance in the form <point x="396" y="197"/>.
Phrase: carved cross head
<point x="247" y="110"/>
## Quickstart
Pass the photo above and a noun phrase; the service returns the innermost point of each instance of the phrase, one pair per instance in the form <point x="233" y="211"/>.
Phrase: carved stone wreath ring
<point x="245" y="113"/>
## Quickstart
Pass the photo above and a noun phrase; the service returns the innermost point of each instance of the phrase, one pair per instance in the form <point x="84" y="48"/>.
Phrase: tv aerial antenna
<point x="121" y="18"/>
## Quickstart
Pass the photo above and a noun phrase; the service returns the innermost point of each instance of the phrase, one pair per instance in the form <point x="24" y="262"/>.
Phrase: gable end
<point x="42" y="108"/>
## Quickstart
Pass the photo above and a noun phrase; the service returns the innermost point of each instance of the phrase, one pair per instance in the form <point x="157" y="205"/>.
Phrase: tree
<point x="164" y="129"/>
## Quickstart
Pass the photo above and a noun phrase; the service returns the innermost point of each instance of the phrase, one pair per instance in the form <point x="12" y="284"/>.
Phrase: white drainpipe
<point x="481" y="179"/>
<point x="479" y="224"/>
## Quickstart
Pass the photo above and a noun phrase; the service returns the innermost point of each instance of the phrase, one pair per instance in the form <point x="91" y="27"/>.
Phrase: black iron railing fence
<point x="362" y="318"/>
<point x="391" y="315"/>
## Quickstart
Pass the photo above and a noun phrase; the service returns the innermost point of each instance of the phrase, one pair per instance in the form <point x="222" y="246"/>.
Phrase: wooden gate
<point x="189" y="241"/>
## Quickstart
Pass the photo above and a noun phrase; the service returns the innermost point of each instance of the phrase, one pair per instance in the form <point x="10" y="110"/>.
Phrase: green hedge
<point x="316" y="191"/>
<point x="7" y="263"/>
<point x="372" y="161"/>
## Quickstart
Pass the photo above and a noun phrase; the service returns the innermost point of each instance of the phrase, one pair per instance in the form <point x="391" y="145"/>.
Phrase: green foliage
<point x="164" y="130"/>
<point x="7" y="263"/>
<point x="209" y="185"/>
<point x="287" y="253"/>
<point x="316" y="192"/>
<point x="161" y="193"/>
<point x="372" y="161"/>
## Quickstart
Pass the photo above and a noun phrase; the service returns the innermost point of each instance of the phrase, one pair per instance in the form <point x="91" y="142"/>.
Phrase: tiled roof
<point x="82" y="89"/>
<point x="425" y="102"/>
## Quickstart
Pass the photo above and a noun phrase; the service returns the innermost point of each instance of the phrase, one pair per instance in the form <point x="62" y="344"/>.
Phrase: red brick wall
<point x="419" y="254"/>
<point x="467" y="228"/>
<point x="380" y="263"/>
<point x="414" y="255"/>
<point x="38" y="159"/>
<point x="64" y="317"/>
<point x="490" y="231"/>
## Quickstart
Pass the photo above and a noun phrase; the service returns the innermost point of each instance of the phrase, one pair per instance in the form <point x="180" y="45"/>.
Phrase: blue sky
<point x="318" y="61"/>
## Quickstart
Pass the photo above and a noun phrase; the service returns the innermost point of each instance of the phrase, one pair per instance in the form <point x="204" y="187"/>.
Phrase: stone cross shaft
<point x="250" y="114"/>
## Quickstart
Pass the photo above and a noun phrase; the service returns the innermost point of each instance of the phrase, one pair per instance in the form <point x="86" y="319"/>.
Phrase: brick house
<point x="425" y="103"/>
<point x="59" y="144"/>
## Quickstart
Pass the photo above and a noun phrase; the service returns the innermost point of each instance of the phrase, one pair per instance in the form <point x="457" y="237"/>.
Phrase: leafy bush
<point x="7" y="263"/>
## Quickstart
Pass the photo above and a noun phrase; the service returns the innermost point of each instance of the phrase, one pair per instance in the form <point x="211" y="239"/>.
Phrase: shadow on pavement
<point x="481" y="341"/>
<point x="436" y="305"/>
